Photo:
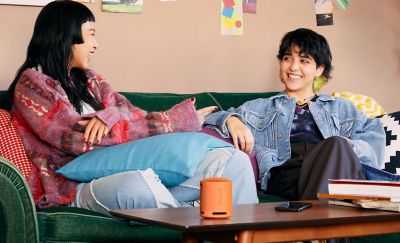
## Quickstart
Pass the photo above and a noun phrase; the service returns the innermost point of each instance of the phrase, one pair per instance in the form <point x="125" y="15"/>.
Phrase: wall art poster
<point x="231" y="17"/>
<point x="36" y="2"/>
<point x="340" y="4"/>
<point x="250" y="6"/>
<point x="123" y="6"/>
<point x="26" y="2"/>
<point x="324" y="12"/>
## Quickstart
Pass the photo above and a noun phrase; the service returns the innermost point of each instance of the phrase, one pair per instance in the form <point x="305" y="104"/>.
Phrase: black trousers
<point x="311" y="165"/>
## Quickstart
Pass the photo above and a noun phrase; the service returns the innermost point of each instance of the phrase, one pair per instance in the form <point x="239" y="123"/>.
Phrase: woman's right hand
<point x="95" y="130"/>
<point x="240" y="134"/>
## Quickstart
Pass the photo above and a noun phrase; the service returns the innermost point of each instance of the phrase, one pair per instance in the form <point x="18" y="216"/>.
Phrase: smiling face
<point x="81" y="53"/>
<point x="297" y="72"/>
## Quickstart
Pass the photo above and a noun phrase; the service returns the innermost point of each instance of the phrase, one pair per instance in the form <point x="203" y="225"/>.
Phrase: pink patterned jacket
<point x="47" y="123"/>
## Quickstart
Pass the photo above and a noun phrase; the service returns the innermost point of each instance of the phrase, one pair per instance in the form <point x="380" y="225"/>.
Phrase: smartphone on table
<point x="293" y="206"/>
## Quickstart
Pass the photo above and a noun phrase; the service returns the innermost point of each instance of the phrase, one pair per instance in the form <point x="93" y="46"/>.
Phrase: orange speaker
<point x="216" y="197"/>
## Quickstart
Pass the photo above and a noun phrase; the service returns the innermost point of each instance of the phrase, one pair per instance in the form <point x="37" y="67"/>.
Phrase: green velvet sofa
<point x="21" y="221"/>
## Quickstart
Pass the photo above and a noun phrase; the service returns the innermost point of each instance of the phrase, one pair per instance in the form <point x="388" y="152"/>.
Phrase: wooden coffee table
<point x="261" y="223"/>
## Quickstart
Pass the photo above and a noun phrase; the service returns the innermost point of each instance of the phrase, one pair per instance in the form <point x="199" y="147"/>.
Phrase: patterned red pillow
<point x="12" y="148"/>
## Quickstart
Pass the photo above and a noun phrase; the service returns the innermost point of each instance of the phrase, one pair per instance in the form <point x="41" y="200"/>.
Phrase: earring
<point x="318" y="83"/>
<point x="281" y="77"/>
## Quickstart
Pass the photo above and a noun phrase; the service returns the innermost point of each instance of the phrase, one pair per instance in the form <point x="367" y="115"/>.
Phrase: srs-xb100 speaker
<point x="216" y="197"/>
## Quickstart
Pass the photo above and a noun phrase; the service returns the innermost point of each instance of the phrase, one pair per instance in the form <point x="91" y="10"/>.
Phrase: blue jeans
<point x="372" y="173"/>
<point x="238" y="169"/>
<point x="143" y="189"/>
<point x="126" y="190"/>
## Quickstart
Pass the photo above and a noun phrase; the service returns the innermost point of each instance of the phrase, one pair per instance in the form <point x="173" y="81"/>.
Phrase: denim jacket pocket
<point x="263" y="127"/>
<point x="346" y="128"/>
<point x="335" y="125"/>
<point x="342" y="128"/>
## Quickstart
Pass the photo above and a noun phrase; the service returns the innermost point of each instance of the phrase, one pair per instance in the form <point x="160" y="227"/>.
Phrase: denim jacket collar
<point x="321" y="97"/>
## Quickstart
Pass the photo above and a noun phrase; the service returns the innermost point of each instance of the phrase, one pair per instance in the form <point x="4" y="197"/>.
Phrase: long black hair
<point x="310" y="43"/>
<point x="57" y="28"/>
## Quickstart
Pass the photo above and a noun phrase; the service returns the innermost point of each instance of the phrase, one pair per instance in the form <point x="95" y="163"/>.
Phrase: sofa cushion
<point x="163" y="101"/>
<point x="67" y="224"/>
<point x="391" y="124"/>
<point x="174" y="157"/>
<point x="362" y="102"/>
<point x="12" y="148"/>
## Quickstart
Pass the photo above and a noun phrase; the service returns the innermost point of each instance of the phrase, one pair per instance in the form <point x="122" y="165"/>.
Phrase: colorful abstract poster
<point x="324" y="12"/>
<point x="250" y="6"/>
<point x="231" y="17"/>
<point x="340" y="4"/>
<point x="123" y="6"/>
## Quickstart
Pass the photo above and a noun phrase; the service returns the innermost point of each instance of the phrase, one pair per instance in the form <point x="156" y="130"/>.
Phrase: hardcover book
<point x="389" y="189"/>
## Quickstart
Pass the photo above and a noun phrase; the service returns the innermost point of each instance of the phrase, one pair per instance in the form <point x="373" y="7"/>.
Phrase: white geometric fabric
<point x="391" y="124"/>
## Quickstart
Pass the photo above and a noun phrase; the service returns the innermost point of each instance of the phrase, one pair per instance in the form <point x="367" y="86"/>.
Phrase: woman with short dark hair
<point x="301" y="138"/>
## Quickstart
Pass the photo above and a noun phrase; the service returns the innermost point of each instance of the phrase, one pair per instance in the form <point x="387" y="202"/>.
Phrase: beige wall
<point x="177" y="47"/>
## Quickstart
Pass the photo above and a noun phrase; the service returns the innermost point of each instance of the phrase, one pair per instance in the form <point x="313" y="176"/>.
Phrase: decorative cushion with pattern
<point x="12" y="149"/>
<point x="391" y="124"/>
<point x="363" y="103"/>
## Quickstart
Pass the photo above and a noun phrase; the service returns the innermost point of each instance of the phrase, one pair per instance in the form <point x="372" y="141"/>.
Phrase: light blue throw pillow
<point x="174" y="157"/>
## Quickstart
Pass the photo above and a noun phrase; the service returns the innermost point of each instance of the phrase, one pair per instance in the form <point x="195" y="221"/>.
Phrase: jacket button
<point x="279" y="135"/>
<point x="261" y="125"/>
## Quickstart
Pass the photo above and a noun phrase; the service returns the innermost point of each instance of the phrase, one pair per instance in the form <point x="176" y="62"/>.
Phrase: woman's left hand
<point x="95" y="130"/>
<point x="203" y="112"/>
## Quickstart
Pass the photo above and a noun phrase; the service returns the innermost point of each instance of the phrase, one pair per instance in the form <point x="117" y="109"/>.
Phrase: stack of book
<point x="382" y="195"/>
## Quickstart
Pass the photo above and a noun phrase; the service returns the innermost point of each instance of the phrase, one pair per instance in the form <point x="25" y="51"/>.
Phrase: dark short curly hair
<point x="311" y="44"/>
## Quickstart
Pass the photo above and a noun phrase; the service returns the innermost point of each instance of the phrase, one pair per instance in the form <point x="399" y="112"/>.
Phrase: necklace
<point x="304" y="102"/>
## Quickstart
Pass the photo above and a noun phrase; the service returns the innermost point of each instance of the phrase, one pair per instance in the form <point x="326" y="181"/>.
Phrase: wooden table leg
<point x="215" y="237"/>
<point x="188" y="238"/>
<point x="246" y="236"/>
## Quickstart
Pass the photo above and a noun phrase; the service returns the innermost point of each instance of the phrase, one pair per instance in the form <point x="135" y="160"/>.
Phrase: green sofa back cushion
<point x="163" y="101"/>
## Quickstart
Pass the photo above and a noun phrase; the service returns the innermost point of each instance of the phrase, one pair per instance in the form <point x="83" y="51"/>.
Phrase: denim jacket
<point x="270" y="121"/>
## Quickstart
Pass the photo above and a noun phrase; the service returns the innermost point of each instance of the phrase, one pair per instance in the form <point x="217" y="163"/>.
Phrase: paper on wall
<point x="231" y="17"/>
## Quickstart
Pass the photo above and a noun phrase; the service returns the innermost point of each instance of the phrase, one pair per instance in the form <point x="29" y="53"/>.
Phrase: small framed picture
<point x="36" y="2"/>
<point x="123" y="6"/>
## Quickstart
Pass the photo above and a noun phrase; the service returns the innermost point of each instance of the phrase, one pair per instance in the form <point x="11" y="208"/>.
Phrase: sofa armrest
<point x="18" y="221"/>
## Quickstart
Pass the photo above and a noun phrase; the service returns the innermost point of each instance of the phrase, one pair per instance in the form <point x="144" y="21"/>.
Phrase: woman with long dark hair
<point x="62" y="109"/>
